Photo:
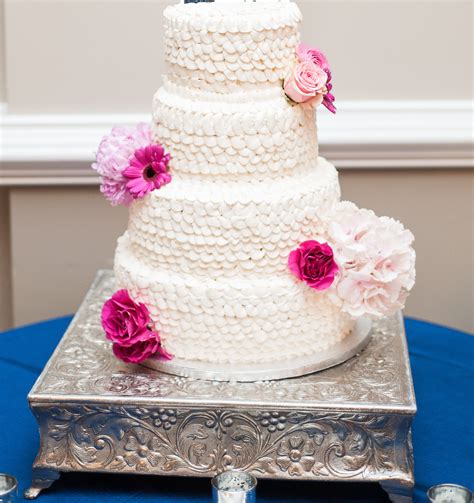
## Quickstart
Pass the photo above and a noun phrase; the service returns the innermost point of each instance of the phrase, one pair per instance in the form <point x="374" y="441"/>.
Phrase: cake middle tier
<point x="254" y="135"/>
<point x="215" y="229"/>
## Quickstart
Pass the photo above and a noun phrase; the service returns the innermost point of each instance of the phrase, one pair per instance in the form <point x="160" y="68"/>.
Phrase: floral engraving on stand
<point x="296" y="455"/>
<point x="141" y="451"/>
<point x="302" y="444"/>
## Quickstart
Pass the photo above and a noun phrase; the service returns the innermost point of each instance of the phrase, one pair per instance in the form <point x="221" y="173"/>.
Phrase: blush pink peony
<point x="362" y="295"/>
<point x="132" y="151"/>
<point x="376" y="260"/>
<point x="306" y="82"/>
<point x="313" y="262"/>
<point x="113" y="157"/>
<point x="127" y="324"/>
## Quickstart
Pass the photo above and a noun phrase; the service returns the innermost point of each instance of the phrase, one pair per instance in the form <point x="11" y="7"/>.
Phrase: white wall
<point x="2" y="54"/>
<point x="404" y="49"/>
<point x="106" y="55"/>
<point x="60" y="237"/>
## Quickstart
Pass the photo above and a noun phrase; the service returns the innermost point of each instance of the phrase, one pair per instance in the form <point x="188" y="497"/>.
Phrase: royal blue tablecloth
<point x="443" y="433"/>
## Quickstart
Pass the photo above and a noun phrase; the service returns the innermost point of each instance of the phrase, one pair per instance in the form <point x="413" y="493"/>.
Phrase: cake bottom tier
<point x="241" y="320"/>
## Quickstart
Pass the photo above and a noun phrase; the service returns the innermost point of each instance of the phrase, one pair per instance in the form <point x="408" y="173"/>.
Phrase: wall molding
<point x="58" y="149"/>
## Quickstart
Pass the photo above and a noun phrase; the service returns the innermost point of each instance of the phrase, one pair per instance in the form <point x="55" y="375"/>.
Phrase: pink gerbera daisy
<point x="147" y="171"/>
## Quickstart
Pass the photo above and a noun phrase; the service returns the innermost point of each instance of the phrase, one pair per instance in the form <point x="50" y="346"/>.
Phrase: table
<point x="443" y="430"/>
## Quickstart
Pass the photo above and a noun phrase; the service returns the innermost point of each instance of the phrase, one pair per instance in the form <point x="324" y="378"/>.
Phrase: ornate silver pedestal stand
<point x="348" y="423"/>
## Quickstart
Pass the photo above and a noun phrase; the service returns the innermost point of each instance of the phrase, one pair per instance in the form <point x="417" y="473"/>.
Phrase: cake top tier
<point x="232" y="45"/>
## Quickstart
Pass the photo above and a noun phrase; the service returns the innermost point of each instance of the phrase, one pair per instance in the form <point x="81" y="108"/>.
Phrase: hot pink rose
<point x="123" y="320"/>
<point x="313" y="263"/>
<point x="141" y="350"/>
<point x="128" y="325"/>
<point x="307" y="82"/>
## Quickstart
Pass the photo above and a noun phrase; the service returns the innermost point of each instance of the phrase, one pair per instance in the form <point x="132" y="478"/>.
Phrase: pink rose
<point x="141" y="350"/>
<point x="307" y="82"/>
<point x="127" y="324"/>
<point x="313" y="263"/>
<point x="307" y="53"/>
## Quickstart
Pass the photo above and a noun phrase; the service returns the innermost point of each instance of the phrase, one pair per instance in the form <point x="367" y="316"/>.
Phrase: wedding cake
<point x="238" y="249"/>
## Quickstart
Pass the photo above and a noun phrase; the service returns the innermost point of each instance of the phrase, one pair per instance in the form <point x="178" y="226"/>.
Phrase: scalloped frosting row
<point x="219" y="229"/>
<point x="231" y="18"/>
<point x="266" y="138"/>
<point x="225" y="47"/>
<point x="254" y="320"/>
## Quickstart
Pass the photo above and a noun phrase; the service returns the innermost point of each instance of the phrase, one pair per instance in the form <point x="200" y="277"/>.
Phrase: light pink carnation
<point x="117" y="152"/>
<point x="376" y="260"/>
<point x="306" y="82"/>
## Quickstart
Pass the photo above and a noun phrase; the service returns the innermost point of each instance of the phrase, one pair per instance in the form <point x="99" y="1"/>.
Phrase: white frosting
<point x="208" y="253"/>
<point x="225" y="46"/>
<point x="258" y="135"/>
<point x="216" y="229"/>
<point x="259" y="319"/>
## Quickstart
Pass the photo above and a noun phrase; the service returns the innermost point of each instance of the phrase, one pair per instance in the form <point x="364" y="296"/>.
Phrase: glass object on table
<point x="449" y="493"/>
<point x="8" y="488"/>
<point x="234" y="487"/>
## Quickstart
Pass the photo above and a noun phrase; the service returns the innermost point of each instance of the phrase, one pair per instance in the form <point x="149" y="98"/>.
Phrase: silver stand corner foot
<point x="399" y="491"/>
<point x="42" y="479"/>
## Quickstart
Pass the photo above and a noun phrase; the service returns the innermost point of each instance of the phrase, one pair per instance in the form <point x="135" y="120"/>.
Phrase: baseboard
<point x="58" y="149"/>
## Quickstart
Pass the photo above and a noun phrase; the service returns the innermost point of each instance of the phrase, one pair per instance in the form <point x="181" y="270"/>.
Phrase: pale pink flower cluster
<point x="130" y="164"/>
<point x="113" y="157"/>
<point x="376" y="261"/>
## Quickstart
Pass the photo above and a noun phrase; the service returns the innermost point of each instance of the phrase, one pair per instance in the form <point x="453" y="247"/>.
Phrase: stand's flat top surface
<point x="83" y="369"/>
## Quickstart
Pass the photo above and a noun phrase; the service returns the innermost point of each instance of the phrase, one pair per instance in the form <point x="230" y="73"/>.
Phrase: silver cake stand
<point x="351" y="422"/>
